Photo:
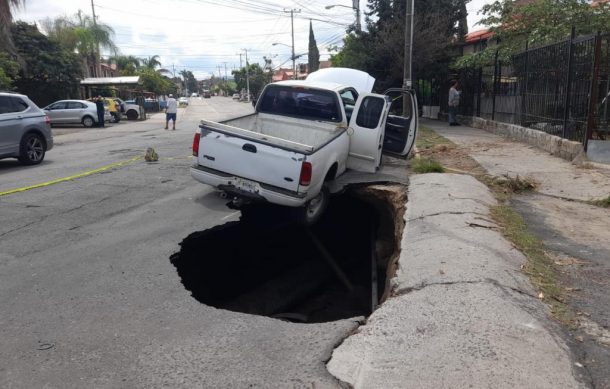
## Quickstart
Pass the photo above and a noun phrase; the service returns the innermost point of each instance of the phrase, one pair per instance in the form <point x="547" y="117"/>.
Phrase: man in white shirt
<point x="170" y="112"/>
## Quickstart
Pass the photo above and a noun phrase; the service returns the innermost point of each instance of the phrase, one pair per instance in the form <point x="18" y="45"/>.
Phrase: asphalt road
<point x="88" y="295"/>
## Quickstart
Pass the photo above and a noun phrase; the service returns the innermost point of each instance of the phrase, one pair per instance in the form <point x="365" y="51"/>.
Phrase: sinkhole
<point x="266" y="265"/>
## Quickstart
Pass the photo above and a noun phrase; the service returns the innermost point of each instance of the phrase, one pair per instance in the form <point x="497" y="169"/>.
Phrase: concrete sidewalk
<point x="462" y="313"/>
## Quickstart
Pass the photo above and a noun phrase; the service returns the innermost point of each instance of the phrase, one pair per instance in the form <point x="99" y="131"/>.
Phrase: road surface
<point x="88" y="295"/>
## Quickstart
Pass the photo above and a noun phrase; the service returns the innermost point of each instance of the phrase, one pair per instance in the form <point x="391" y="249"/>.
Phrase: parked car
<point x="25" y="130"/>
<point x="236" y="96"/>
<point x="207" y="94"/>
<point x="183" y="101"/>
<point x="75" y="112"/>
<point x="129" y="108"/>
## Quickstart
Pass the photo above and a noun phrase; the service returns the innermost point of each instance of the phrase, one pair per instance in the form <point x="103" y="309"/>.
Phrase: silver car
<point x="74" y="112"/>
<point x="25" y="130"/>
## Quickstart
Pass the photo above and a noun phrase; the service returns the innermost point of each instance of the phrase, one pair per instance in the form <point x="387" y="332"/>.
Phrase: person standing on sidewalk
<point x="454" y="102"/>
<point x="171" y="111"/>
<point x="99" y="105"/>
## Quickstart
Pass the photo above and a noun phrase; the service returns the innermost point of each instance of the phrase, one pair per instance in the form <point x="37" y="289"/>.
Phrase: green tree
<point x="9" y="69"/>
<point x="83" y="35"/>
<point x="439" y="26"/>
<point x="257" y="75"/>
<point x="6" y="18"/>
<point x="189" y="80"/>
<point x="126" y="64"/>
<point x="536" y="23"/>
<point x="153" y="81"/>
<point x="313" y="54"/>
<point x="154" y="63"/>
<point x="53" y="73"/>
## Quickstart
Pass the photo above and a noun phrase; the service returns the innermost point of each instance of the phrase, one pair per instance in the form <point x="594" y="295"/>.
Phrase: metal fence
<point x="562" y="89"/>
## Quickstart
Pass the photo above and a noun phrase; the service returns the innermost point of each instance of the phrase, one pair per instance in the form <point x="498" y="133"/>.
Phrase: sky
<point x="208" y="36"/>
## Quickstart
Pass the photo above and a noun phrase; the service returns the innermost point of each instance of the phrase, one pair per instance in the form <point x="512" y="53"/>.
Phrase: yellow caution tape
<point x="73" y="177"/>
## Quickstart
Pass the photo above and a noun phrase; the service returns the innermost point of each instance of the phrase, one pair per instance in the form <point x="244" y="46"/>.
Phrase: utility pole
<point x="98" y="65"/>
<point x="247" y="77"/>
<point x="294" y="66"/>
<point x="356" y="7"/>
<point x="186" y="85"/>
<point x="240" y="65"/>
<point x="408" y="81"/>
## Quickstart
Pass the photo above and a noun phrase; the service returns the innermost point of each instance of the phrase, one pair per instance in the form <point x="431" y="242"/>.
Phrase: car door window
<point x="56" y="106"/>
<point x="348" y="98"/>
<point x="74" y="105"/>
<point x="18" y="104"/>
<point x="5" y="105"/>
<point x="370" y="112"/>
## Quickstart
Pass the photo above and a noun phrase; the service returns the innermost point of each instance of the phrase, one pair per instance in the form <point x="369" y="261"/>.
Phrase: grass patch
<point x="604" y="203"/>
<point x="539" y="267"/>
<point x="426" y="165"/>
<point x="427" y="138"/>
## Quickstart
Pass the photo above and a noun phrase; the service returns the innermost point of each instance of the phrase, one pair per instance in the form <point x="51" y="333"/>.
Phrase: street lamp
<point x="294" y="66"/>
<point x="355" y="7"/>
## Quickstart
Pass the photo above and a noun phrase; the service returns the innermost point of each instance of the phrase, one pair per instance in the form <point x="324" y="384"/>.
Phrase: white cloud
<point x="201" y="35"/>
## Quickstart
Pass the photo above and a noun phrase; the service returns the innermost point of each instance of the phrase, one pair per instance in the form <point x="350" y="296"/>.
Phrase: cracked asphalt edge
<point x="462" y="311"/>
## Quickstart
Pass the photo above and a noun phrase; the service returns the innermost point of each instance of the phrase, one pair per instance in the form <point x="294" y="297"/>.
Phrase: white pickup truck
<point x="302" y="135"/>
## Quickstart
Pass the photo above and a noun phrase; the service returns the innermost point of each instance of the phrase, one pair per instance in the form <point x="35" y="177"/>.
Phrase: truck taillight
<point x="196" y="144"/>
<point x="305" y="178"/>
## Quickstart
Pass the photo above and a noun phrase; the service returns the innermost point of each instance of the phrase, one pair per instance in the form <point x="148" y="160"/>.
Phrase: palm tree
<point x="92" y="37"/>
<point x="6" y="19"/>
<point x="152" y="63"/>
<point x="126" y="64"/>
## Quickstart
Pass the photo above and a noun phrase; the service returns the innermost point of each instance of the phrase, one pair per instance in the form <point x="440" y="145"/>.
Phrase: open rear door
<point x="366" y="129"/>
<point x="401" y="124"/>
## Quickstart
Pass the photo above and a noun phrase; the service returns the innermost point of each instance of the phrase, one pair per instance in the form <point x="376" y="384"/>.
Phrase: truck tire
<point x="314" y="209"/>
<point x="132" y="114"/>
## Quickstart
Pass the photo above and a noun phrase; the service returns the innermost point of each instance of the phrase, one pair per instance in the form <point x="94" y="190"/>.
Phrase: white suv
<point x="25" y="130"/>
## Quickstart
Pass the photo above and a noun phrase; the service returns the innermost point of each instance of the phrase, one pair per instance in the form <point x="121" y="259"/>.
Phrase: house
<point x="302" y="71"/>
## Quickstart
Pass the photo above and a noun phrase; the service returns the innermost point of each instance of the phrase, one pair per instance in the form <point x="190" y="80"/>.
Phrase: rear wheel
<point x="88" y="121"/>
<point x="314" y="209"/>
<point x="32" y="149"/>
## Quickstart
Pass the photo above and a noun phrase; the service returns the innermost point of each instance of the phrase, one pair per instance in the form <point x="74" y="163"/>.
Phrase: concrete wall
<point x="566" y="149"/>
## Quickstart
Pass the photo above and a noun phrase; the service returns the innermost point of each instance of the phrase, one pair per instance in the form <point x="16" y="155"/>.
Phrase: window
<point x="60" y="105"/>
<point x="348" y="98"/>
<point x="74" y="105"/>
<point x="18" y="104"/>
<point x="370" y="112"/>
<point x="5" y="105"/>
<point x="301" y="102"/>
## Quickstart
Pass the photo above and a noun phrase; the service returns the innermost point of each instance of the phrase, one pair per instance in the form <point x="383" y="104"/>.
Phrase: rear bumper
<point x="267" y="193"/>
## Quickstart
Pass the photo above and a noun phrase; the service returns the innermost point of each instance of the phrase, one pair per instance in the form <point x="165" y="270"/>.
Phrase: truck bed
<point x="300" y="135"/>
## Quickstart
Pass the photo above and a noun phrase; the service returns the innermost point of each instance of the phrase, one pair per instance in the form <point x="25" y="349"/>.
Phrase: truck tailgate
<point x="251" y="160"/>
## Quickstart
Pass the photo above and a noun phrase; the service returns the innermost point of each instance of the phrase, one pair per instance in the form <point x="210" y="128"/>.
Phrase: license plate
<point x="246" y="185"/>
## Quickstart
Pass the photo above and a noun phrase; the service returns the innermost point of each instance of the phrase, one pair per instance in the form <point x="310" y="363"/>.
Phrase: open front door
<point x="366" y="130"/>
<point x="401" y="124"/>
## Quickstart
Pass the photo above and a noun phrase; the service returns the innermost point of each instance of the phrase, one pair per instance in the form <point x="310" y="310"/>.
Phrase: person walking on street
<point x="454" y="102"/>
<point x="99" y="105"/>
<point x="170" y="111"/>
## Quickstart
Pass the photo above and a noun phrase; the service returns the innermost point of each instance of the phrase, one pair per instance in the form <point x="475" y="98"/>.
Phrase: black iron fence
<point x="562" y="89"/>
